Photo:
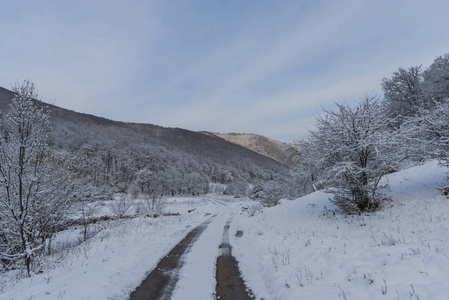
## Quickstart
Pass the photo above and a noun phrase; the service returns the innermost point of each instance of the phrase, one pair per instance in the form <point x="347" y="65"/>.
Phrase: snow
<point x="114" y="262"/>
<point x="198" y="274"/>
<point x="300" y="249"/>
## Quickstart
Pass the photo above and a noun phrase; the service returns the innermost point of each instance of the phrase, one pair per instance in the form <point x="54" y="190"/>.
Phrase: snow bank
<point x="301" y="250"/>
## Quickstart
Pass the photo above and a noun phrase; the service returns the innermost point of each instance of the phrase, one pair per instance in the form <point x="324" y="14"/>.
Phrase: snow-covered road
<point x="190" y="264"/>
<point x="161" y="281"/>
<point x="189" y="269"/>
<point x="113" y="263"/>
<point x="198" y="276"/>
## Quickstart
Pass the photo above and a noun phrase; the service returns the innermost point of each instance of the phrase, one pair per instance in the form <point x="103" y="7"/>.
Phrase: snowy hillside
<point x="301" y="250"/>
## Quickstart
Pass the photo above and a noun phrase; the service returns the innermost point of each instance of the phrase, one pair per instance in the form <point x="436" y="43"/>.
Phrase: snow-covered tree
<point x="238" y="189"/>
<point x="436" y="79"/>
<point x="428" y="129"/>
<point x="428" y="132"/>
<point x="403" y="91"/>
<point x="33" y="192"/>
<point x="269" y="192"/>
<point x="354" y="148"/>
<point x="307" y="168"/>
<point x="144" y="179"/>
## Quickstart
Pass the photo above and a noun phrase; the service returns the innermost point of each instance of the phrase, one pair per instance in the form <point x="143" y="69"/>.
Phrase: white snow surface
<point x="114" y="262"/>
<point x="300" y="249"/>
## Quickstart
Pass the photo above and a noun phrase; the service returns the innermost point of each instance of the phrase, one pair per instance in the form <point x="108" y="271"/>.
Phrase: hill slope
<point x="182" y="161"/>
<point x="302" y="250"/>
<point x="259" y="144"/>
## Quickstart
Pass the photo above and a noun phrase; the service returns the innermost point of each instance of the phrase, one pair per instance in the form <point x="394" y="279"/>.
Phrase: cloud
<point x="263" y="67"/>
<point x="77" y="53"/>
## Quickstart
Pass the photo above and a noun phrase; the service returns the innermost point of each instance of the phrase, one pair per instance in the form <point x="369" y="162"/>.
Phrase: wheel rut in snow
<point x="230" y="285"/>
<point x="159" y="284"/>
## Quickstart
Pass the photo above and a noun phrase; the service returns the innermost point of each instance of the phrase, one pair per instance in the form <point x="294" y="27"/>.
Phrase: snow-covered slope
<point x="301" y="250"/>
<point x="297" y="250"/>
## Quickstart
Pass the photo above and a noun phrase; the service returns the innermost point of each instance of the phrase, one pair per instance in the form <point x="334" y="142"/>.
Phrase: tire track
<point x="160" y="283"/>
<point x="230" y="285"/>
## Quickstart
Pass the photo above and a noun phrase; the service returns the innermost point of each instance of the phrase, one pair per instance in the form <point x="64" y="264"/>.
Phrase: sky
<point x="264" y="67"/>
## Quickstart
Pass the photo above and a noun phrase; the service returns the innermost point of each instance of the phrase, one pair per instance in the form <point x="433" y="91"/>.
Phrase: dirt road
<point x="165" y="278"/>
<point x="162" y="280"/>
<point x="230" y="284"/>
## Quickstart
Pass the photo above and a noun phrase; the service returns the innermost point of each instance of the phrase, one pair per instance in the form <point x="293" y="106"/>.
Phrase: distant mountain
<point x="111" y="153"/>
<point x="260" y="144"/>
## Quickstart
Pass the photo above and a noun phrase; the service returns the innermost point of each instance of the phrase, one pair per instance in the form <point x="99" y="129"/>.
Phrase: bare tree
<point x="33" y="190"/>
<point x="88" y="209"/>
<point x="121" y="204"/>
<point x="155" y="205"/>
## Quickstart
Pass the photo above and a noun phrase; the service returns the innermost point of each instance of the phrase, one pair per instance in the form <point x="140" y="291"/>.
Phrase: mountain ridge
<point x="157" y="130"/>
<point x="112" y="152"/>
<point x="260" y="144"/>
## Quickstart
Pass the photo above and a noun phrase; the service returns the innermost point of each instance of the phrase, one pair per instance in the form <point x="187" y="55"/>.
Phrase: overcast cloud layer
<point x="266" y="67"/>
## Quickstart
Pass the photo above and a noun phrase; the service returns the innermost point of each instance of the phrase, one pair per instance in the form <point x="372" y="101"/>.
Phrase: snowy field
<point x="112" y="264"/>
<point x="297" y="250"/>
<point x="301" y="250"/>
